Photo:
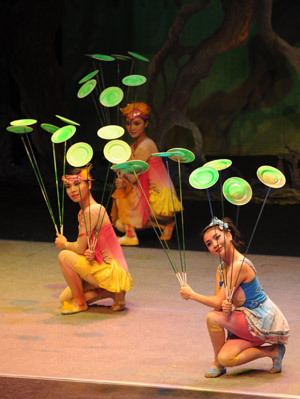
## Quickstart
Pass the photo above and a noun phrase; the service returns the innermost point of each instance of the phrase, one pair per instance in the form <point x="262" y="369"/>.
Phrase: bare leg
<point x="239" y="351"/>
<point x="66" y="259"/>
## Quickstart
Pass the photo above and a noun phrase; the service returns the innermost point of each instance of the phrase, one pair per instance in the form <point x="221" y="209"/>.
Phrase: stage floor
<point x="159" y="342"/>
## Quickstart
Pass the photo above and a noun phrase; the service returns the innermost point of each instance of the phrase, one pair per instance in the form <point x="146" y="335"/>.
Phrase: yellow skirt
<point x="110" y="276"/>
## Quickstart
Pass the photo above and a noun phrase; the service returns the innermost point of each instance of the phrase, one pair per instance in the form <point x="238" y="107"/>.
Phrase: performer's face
<point x="77" y="190"/>
<point x="217" y="242"/>
<point x="136" y="127"/>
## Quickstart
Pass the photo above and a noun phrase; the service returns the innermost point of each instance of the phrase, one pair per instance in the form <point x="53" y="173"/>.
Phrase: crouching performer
<point x="93" y="266"/>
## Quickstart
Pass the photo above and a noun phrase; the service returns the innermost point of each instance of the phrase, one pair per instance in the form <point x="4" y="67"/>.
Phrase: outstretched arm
<point x="214" y="301"/>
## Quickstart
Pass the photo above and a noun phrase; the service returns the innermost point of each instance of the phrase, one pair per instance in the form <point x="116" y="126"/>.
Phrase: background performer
<point x="127" y="212"/>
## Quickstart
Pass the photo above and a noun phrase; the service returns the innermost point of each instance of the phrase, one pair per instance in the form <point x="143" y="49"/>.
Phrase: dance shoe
<point x="119" y="302"/>
<point x="128" y="241"/>
<point x="278" y="360"/>
<point x="215" y="372"/>
<point x="168" y="231"/>
<point x="70" y="308"/>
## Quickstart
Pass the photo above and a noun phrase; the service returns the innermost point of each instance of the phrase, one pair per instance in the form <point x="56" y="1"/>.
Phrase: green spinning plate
<point x="69" y="121"/>
<point x="134" y="80"/>
<point x="131" y="167"/>
<point x="237" y="191"/>
<point x="203" y="177"/>
<point x="182" y="155"/>
<point x="110" y="132"/>
<point x="111" y="96"/>
<point x="86" y="88"/>
<point x="219" y="164"/>
<point x="19" y="129"/>
<point x="121" y="57"/>
<point x="88" y="76"/>
<point x="49" y="128"/>
<point x="138" y="56"/>
<point x="79" y="154"/>
<point x="117" y="151"/>
<point x="163" y="154"/>
<point x="63" y="134"/>
<point x="101" y="57"/>
<point x="23" y="122"/>
<point x="271" y="176"/>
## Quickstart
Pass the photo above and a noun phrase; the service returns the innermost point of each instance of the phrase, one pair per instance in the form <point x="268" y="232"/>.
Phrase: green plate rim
<point x="229" y="197"/>
<point x="14" y="129"/>
<point x="207" y="169"/>
<point x="59" y="131"/>
<point x="107" y="148"/>
<point x="211" y="163"/>
<point x="138" y="56"/>
<point x="105" y="91"/>
<point x="94" y="84"/>
<point x="66" y="120"/>
<point x="112" y="126"/>
<point x="74" y="146"/>
<point x="88" y="76"/>
<point x="273" y="169"/>
<point x="44" y="126"/>
<point x="144" y="80"/>
<point x="188" y="159"/>
<point x="23" y="122"/>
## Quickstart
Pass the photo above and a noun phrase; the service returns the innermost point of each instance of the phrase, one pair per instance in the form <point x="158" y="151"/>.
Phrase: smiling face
<point x="77" y="190"/>
<point x="136" y="127"/>
<point x="217" y="241"/>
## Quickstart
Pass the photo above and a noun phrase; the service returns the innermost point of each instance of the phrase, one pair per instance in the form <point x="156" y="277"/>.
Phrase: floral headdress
<point x="135" y="110"/>
<point x="83" y="175"/>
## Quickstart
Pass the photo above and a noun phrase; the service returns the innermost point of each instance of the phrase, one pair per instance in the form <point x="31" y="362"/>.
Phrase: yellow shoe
<point x="70" y="308"/>
<point x="128" y="241"/>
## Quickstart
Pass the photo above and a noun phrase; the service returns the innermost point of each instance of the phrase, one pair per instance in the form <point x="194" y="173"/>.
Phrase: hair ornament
<point x="84" y="175"/>
<point x="217" y="222"/>
<point x="135" y="110"/>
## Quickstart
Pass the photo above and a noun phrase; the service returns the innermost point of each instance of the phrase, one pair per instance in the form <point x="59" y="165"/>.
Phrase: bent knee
<point x="228" y="359"/>
<point x="62" y="254"/>
<point x="212" y="321"/>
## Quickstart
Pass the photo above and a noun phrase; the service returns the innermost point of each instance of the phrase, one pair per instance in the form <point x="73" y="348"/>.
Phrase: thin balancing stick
<point x="97" y="110"/>
<point x="234" y="239"/>
<point x="63" y="191"/>
<point x="212" y="216"/>
<point x="86" y="229"/>
<point x="97" y="231"/>
<point x="166" y="249"/>
<point x="247" y="249"/>
<point x="40" y="181"/>
<point x="223" y="216"/>
<point x="152" y="212"/>
<point x="56" y="184"/>
<point x="102" y="197"/>
<point x="182" y="225"/>
<point x="175" y="217"/>
<point x="209" y="202"/>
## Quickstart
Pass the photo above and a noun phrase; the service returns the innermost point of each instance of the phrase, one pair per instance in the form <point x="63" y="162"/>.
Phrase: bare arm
<point x="214" y="301"/>
<point x="87" y="224"/>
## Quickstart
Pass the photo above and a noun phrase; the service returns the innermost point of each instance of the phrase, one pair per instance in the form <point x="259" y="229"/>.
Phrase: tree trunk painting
<point x="233" y="32"/>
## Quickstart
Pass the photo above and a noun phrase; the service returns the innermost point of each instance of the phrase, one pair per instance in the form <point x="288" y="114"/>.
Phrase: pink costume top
<point x="109" y="246"/>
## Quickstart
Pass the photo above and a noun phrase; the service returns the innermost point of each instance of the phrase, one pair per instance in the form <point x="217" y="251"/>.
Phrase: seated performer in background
<point x="128" y="214"/>
<point x="255" y="320"/>
<point x="91" y="274"/>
